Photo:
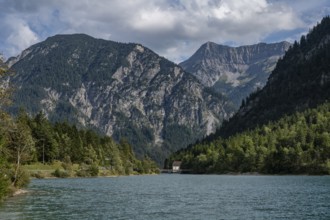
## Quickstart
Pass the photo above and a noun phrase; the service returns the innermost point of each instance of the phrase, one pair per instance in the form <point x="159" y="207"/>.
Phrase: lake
<point x="173" y="196"/>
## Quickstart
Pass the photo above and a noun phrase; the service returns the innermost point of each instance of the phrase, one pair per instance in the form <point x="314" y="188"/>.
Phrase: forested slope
<point x="300" y="80"/>
<point x="35" y="140"/>
<point x="295" y="144"/>
<point x="283" y="128"/>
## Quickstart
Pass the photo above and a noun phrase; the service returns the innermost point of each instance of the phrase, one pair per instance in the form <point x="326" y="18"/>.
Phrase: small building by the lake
<point x="176" y="167"/>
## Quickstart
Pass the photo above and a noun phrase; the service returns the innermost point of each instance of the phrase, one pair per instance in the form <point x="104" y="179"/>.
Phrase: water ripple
<point x="174" y="197"/>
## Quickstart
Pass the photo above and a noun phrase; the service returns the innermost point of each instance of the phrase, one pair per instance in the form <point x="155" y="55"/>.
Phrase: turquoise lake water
<point x="173" y="197"/>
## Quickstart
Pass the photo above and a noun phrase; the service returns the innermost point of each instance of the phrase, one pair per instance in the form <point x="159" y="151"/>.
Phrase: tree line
<point x="29" y="140"/>
<point x="299" y="81"/>
<point x="295" y="144"/>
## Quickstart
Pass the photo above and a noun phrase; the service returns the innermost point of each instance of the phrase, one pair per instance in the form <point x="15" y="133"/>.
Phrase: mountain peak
<point x="70" y="37"/>
<point x="210" y="45"/>
<point x="75" y="35"/>
<point x="234" y="71"/>
<point x="300" y="80"/>
<point x="122" y="90"/>
<point x="209" y="48"/>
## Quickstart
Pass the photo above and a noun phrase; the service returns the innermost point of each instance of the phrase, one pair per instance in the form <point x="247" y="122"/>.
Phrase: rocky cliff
<point x="235" y="71"/>
<point x="300" y="80"/>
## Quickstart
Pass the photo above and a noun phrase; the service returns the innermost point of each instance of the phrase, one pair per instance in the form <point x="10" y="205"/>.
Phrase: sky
<point x="174" y="29"/>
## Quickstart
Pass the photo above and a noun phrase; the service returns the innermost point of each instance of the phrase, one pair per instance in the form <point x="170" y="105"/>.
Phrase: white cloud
<point x="173" y="28"/>
<point x="20" y="36"/>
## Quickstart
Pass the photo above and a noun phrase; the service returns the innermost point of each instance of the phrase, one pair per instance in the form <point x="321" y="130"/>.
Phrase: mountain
<point x="122" y="90"/>
<point x="301" y="80"/>
<point x="282" y="128"/>
<point x="234" y="71"/>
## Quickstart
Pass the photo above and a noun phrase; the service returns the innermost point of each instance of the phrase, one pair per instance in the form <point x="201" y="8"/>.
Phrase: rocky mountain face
<point x="122" y="90"/>
<point x="301" y="80"/>
<point x="234" y="71"/>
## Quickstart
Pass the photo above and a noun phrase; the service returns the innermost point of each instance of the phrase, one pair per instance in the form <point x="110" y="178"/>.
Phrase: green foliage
<point x="38" y="175"/>
<point x="295" y="144"/>
<point x="140" y="136"/>
<point x="60" y="173"/>
<point x="67" y="164"/>
<point x="93" y="170"/>
<point x="21" y="178"/>
<point x="35" y="140"/>
<point x="88" y="170"/>
<point x="16" y="148"/>
<point x="65" y="144"/>
<point x="70" y="60"/>
<point x="4" y="119"/>
<point x="177" y="135"/>
<point x="4" y="180"/>
<point x="56" y="70"/>
<point x="69" y="145"/>
<point x="4" y="176"/>
<point x="4" y="185"/>
<point x="299" y="81"/>
<point x="146" y="166"/>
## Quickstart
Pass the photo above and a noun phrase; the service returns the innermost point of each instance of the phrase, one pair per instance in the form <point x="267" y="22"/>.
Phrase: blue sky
<point x="174" y="29"/>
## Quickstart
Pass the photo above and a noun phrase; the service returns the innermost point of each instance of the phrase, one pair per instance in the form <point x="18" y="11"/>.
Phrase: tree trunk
<point x="17" y="168"/>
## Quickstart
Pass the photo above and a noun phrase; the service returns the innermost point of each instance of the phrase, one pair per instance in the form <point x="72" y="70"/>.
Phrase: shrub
<point x="67" y="164"/>
<point x="38" y="175"/>
<point x="93" y="170"/>
<point x="4" y="185"/>
<point x="81" y="173"/>
<point x="60" y="173"/>
<point x="23" y="178"/>
<point x="88" y="170"/>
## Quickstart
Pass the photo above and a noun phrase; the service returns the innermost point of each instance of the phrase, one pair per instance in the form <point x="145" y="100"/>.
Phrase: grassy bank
<point x="58" y="169"/>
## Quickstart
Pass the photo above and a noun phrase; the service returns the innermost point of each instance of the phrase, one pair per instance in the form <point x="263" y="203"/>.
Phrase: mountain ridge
<point x="282" y="128"/>
<point x="299" y="81"/>
<point x="124" y="90"/>
<point x="234" y="71"/>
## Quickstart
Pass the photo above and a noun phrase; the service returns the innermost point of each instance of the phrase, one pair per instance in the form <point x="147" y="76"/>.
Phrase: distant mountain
<point x="301" y="80"/>
<point x="122" y="90"/>
<point x="282" y="128"/>
<point x="235" y="71"/>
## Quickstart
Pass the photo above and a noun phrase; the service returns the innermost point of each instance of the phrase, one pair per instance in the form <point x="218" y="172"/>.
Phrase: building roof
<point x="176" y="163"/>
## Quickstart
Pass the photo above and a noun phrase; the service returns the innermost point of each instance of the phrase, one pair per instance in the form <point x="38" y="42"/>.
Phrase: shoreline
<point x="19" y="192"/>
